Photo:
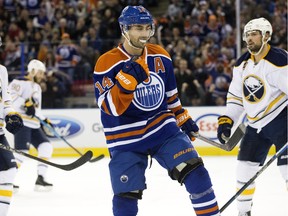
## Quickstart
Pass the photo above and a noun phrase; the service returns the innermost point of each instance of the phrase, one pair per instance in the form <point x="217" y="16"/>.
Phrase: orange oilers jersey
<point x="142" y="119"/>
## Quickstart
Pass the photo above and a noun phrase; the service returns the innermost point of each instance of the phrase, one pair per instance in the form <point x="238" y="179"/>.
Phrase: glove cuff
<point x="182" y="116"/>
<point x="14" y="113"/>
<point x="225" y="120"/>
<point x="127" y="82"/>
<point x="28" y="103"/>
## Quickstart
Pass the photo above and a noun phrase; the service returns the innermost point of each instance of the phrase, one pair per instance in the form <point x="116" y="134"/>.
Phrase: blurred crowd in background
<point x="69" y="36"/>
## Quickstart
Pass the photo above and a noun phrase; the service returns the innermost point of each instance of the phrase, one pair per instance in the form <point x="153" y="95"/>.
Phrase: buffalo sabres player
<point x="142" y="116"/>
<point x="8" y="166"/>
<point x="259" y="88"/>
<point x="26" y="96"/>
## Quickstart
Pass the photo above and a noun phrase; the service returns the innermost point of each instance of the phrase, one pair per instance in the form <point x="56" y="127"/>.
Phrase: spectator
<point x="222" y="81"/>
<point x="109" y="30"/>
<point x="93" y="40"/>
<point x="13" y="31"/>
<point x="71" y="20"/>
<point x="40" y="20"/>
<point x="182" y="74"/>
<point x="66" y="56"/>
<point x="81" y="10"/>
<point x="81" y="28"/>
<point x="55" y="91"/>
<point x="12" y="56"/>
<point x="23" y="19"/>
<point x="33" y="7"/>
<point x="87" y="59"/>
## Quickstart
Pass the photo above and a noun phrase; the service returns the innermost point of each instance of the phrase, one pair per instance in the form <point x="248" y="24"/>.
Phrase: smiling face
<point x="138" y="35"/>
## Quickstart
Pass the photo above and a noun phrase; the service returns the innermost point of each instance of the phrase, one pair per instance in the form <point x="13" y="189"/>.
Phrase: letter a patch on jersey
<point x="158" y="65"/>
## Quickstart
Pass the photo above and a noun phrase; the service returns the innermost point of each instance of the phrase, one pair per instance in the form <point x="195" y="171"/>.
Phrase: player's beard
<point x="254" y="48"/>
<point x="139" y="43"/>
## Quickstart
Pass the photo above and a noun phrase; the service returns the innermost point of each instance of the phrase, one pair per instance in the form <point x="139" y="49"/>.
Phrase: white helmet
<point x="34" y="66"/>
<point x="260" y="24"/>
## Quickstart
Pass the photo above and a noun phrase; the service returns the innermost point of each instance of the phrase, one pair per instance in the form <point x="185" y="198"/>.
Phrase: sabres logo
<point x="149" y="95"/>
<point x="253" y="89"/>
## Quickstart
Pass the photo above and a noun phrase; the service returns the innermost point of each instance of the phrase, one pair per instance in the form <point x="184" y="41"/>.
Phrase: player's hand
<point x="185" y="122"/>
<point x="29" y="107"/>
<point x="47" y="121"/>
<point x="225" y="124"/>
<point x="14" y="122"/>
<point x="48" y="131"/>
<point x="132" y="73"/>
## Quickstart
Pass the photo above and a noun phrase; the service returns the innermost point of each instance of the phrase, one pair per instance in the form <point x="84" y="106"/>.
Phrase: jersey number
<point x="106" y="83"/>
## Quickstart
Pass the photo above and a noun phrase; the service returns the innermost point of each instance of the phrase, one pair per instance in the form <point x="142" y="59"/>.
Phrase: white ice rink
<point x="86" y="191"/>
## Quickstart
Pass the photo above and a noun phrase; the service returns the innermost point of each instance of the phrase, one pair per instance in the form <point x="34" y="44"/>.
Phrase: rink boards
<point x="82" y="129"/>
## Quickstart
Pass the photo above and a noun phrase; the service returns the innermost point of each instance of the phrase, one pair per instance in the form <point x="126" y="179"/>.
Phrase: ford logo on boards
<point x="208" y="125"/>
<point x="64" y="126"/>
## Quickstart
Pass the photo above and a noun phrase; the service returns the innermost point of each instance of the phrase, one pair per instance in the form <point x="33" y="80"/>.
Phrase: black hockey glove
<point x="225" y="124"/>
<point x="14" y="122"/>
<point x="29" y="107"/>
<point x="132" y="73"/>
<point x="185" y="122"/>
<point x="47" y="121"/>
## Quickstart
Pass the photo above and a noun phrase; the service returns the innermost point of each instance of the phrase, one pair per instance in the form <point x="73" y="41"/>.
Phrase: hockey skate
<point x="245" y="214"/>
<point x="41" y="185"/>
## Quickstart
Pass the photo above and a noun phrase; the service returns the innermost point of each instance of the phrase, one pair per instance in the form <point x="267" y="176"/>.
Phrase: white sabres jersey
<point x="259" y="89"/>
<point x="5" y="98"/>
<point x="21" y="90"/>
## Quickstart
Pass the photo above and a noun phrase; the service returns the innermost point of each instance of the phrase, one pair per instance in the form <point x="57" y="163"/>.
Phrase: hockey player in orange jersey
<point x="135" y="89"/>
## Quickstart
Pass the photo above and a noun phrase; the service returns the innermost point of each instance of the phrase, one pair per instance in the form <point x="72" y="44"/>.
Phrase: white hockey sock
<point x="45" y="151"/>
<point x="284" y="172"/>
<point x="4" y="207"/>
<point x="245" y="171"/>
<point x="6" y="189"/>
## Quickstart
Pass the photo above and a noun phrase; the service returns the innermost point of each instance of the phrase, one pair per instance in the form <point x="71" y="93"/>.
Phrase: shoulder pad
<point x="277" y="57"/>
<point x="109" y="59"/>
<point x="157" y="49"/>
<point x="244" y="57"/>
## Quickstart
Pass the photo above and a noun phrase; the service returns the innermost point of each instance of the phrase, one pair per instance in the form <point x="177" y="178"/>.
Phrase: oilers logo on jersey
<point x="64" y="52"/>
<point x="149" y="95"/>
<point x="253" y="89"/>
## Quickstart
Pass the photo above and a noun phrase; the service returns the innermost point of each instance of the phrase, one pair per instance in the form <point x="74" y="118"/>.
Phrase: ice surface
<point x="87" y="191"/>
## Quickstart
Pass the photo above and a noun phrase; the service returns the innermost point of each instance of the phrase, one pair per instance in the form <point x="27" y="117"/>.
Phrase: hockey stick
<point x="232" y="141"/>
<point x="284" y="148"/>
<point x="62" y="138"/>
<point x="79" y="162"/>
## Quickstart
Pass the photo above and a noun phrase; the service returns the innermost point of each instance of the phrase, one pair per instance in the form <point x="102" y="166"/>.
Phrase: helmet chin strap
<point x="126" y="36"/>
<point x="263" y="43"/>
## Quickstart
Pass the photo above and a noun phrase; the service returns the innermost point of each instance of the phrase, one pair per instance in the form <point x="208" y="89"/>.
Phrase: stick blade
<point x="236" y="137"/>
<point x="79" y="162"/>
<point x="97" y="158"/>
